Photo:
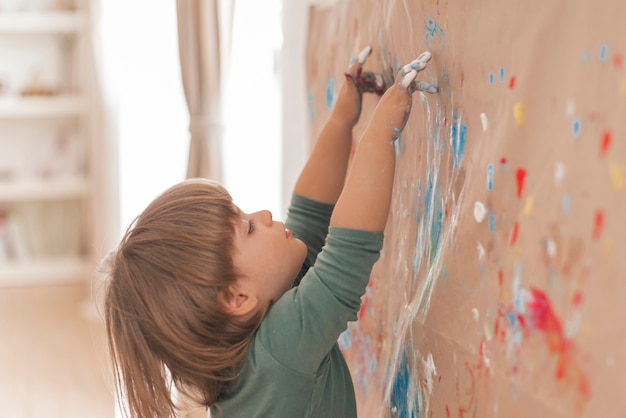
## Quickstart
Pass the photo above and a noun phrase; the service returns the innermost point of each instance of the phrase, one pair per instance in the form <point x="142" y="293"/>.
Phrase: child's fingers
<point x="356" y="63"/>
<point x="408" y="74"/>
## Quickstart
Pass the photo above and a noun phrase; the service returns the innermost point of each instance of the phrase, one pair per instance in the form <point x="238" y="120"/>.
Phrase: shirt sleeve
<point x="308" y="221"/>
<point x="304" y="324"/>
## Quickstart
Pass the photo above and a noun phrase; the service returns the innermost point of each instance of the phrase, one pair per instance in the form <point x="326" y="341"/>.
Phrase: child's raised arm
<point x="366" y="196"/>
<point x="323" y="176"/>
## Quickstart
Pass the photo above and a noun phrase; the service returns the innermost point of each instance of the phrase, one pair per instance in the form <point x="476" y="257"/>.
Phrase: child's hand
<point x="357" y="82"/>
<point x="394" y="108"/>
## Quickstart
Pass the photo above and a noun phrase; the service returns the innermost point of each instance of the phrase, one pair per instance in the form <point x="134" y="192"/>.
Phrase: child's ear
<point x="238" y="302"/>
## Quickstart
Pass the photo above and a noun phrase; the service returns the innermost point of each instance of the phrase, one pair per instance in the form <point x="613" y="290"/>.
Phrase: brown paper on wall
<point x="501" y="288"/>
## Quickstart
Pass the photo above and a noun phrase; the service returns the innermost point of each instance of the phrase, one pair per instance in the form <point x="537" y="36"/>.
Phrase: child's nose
<point x="266" y="217"/>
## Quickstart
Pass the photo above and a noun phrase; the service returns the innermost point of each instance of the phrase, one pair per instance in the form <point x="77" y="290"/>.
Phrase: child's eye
<point x="250" y="226"/>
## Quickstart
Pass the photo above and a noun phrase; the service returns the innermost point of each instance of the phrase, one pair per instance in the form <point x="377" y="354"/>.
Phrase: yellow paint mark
<point x="587" y="329"/>
<point x="528" y="207"/>
<point x="506" y="297"/>
<point x="608" y="246"/>
<point x="519" y="113"/>
<point x="622" y="90"/>
<point x="488" y="332"/>
<point x="618" y="177"/>
<point x="518" y="253"/>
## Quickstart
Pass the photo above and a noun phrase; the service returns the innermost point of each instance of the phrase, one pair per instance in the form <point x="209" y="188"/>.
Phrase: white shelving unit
<point x="50" y="113"/>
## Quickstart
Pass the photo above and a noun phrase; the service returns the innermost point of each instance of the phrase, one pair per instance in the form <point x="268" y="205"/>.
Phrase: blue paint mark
<point x="512" y="318"/>
<point x="311" y="103"/>
<point x="584" y="57"/>
<point x="492" y="223"/>
<point x="400" y="391"/>
<point x="603" y="52"/>
<point x="444" y="273"/>
<point x="566" y="204"/>
<point x="576" y="128"/>
<point x="483" y="274"/>
<point x="433" y="30"/>
<point x="492" y="78"/>
<point x="345" y="339"/>
<point x="330" y="93"/>
<point x="501" y="74"/>
<point x="490" y="177"/>
<point x="458" y="132"/>
<point x="551" y="276"/>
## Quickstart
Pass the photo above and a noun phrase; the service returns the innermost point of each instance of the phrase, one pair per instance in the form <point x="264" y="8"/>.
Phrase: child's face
<point x="268" y="256"/>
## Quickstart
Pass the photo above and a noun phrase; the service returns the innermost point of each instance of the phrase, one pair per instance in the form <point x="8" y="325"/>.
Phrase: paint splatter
<point x="458" y="132"/>
<point x="490" y="177"/>
<point x="520" y="178"/>
<point x="399" y="401"/>
<point x="519" y="113"/>
<point x="484" y="122"/>
<point x="598" y="224"/>
<point x="501" y="74"/>
<point x="512" y="83"/>
<point x="576" y="128"/>
<point x="566" y="204"/>
<point x="492" y="78"/>
<point x="603" y="52"/>
<point x="492" y="223"/>
<point x="618" y="176"/>
<point x="479" y="212"/>
<point x="617" y="60"/>
<point x="514" y="233"/>
<point x="559" y="173"/>
<point x="528" y="206"/>
<point x="605" y="142"/>
<point x="330" y="93"/>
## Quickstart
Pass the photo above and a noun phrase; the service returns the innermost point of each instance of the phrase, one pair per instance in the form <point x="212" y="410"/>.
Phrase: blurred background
<point x="94" y="123"/>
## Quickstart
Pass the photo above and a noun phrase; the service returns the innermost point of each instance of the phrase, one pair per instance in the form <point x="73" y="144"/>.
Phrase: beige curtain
<point x="200" y="61"/>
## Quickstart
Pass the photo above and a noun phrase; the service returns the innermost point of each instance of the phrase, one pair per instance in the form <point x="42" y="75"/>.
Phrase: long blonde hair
<point x="165" y="317"/>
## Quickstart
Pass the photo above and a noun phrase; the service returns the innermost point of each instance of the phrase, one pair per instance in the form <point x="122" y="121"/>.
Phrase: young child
<point x="241" y="312"/>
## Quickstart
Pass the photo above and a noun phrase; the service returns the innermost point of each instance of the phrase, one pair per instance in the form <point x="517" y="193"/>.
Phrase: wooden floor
<point x="52" y="354"/>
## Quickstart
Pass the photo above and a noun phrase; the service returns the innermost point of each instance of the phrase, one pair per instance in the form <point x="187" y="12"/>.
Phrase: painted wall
<point x="500" y="291"/>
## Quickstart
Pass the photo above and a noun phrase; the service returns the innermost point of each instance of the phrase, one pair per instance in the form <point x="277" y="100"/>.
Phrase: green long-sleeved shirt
<point x="294" y="367"/>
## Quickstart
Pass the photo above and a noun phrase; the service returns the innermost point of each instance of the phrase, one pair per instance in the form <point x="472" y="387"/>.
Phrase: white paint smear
<point x="484" y="122"/>
<point x="559" y="172"/>
<point x="479" y="212"/>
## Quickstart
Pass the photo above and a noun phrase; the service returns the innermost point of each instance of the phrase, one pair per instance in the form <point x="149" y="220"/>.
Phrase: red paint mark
<point x="445" y="121"/>
<point x="503" y="160"/>
<point x="500" y="278"/>
<point x="605" y="143"/>
<point x="462" y="78"/>
<point x="447" y="411"/>
<point x="514" y="234"/>
<point x="577" y="299"/>
<point x="522" y="323"/>
<point x="512" y="83"/>
<point x="617" y="60"/>
<point x="598" y="224"/>
<point x="356" y="26"/>
<point x="520" y="177"/>
<point x="542" y="317"/>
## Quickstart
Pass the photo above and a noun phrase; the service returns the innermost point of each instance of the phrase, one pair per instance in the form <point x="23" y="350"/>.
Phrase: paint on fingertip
<point x="484" y="122"/>
<point x="352" y="59"/>
<point x="480" y="211"/>
<point x="408" y="79"/>
<point x="364" y="54"/>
